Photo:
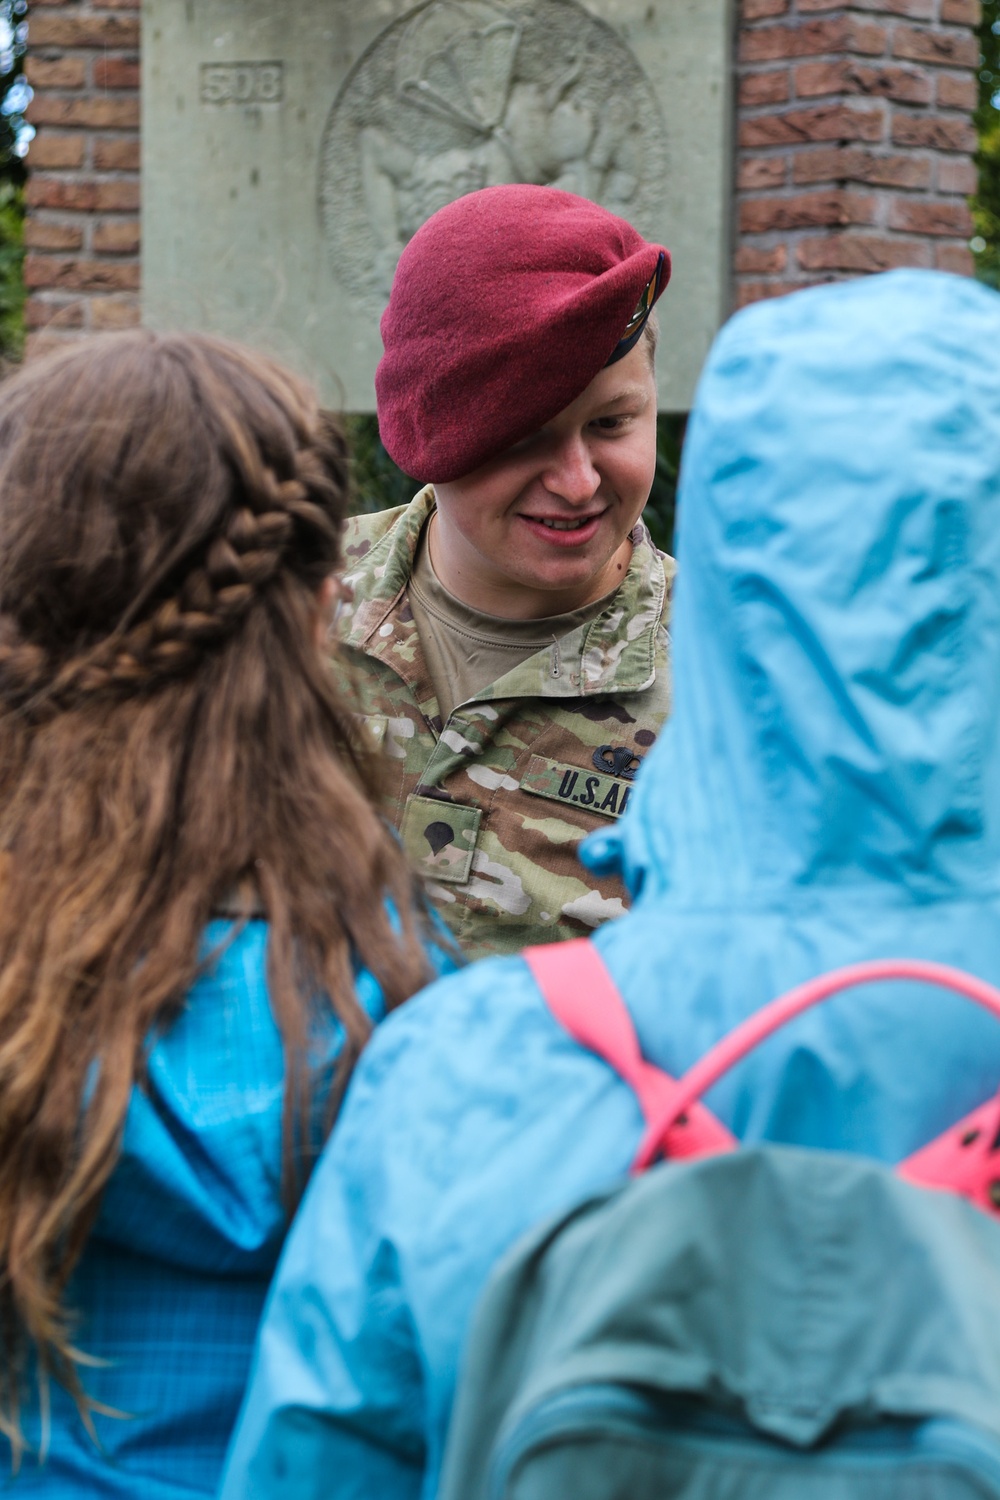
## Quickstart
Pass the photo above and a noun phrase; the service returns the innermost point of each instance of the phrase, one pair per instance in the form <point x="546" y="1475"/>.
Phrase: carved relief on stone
<point x="461" y="94"/>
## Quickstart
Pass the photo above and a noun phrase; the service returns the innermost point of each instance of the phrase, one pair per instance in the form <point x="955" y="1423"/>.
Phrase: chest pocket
<point x="590" y="791"/>
<point x="440" y="838"/>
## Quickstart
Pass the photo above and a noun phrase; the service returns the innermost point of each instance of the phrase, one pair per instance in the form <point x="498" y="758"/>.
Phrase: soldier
<point x="508" y="631"/>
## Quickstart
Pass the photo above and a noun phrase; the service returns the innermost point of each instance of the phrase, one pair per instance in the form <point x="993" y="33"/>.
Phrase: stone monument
<point x="291" y="150"/>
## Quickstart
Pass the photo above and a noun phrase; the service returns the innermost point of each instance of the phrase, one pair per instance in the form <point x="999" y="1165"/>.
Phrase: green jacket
<point x="492" y="804"/>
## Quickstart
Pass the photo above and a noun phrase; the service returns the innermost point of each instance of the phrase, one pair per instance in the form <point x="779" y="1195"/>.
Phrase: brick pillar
<point x="854" y="139"/>
<point x="82" y="230"/>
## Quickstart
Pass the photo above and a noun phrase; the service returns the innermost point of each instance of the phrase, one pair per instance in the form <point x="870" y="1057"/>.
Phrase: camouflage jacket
<point x="492" y="805"/>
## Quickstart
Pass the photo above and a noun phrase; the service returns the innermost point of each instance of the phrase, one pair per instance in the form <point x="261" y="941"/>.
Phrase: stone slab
<point x="289" y="150"/>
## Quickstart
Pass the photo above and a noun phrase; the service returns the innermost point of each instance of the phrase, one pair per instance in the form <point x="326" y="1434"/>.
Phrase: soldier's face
<point x="543" y="528"/>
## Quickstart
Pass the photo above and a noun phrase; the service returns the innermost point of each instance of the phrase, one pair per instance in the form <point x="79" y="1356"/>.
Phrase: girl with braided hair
<point x="201" y="914"/>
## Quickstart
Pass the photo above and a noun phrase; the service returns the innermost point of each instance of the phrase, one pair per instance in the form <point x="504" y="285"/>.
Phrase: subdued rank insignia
<point x="575" y="787"/>
<point x="440" y="837"/>
<point x="618" y="759"/>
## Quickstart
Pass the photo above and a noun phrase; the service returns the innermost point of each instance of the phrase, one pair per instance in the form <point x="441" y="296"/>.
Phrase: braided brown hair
<point x="170" y="507"/>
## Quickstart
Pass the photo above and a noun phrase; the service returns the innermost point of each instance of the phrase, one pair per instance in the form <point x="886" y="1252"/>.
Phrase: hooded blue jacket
<point x="170" y="1286"/>
<point x="828" y="790"/>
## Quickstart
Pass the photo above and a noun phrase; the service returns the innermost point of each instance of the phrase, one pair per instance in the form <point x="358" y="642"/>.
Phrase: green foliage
<point x="15" y="135"/>
<point x="12" y="293"/>
<point x="659" y="512"/>
<point x="986" y="204"/>
<point x="14" y="91"/>
<point x="378" y="484"/>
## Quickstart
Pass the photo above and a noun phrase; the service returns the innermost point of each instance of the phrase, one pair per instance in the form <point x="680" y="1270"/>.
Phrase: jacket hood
<point x="837" y="616"/>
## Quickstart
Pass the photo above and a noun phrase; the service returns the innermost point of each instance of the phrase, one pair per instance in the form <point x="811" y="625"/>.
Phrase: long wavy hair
<point x="170" y="740"/>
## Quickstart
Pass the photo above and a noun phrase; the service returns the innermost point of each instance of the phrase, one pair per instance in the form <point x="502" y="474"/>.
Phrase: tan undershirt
<point x="465" y="650"/>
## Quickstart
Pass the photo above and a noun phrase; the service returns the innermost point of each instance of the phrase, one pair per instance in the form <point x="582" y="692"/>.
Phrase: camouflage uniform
<point x="492" y="804"/>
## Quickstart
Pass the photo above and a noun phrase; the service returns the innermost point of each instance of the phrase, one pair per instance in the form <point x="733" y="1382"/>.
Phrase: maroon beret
<point x="504" y="306"/>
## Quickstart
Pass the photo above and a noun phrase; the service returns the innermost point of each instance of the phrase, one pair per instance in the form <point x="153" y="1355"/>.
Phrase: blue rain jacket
<point x="172" y="1281"/>
<point x="827" y="790"/>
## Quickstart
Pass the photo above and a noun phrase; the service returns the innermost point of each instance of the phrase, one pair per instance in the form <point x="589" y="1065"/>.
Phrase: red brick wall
<point x="82" y="261"/>
<point x="854" y="149"/>
<point x="854" y="139"/>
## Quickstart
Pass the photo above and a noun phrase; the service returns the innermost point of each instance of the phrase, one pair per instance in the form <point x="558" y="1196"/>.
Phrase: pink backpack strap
<point x="581" y="994"/>
<point x="964" y="1160"/>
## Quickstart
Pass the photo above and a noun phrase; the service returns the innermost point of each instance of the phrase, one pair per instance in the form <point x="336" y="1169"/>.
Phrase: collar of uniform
<point x="615" y="652"/>
<point x="379" y="549"/>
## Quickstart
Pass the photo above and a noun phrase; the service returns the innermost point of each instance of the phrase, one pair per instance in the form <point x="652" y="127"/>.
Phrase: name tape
<point x="575" y="787"/>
